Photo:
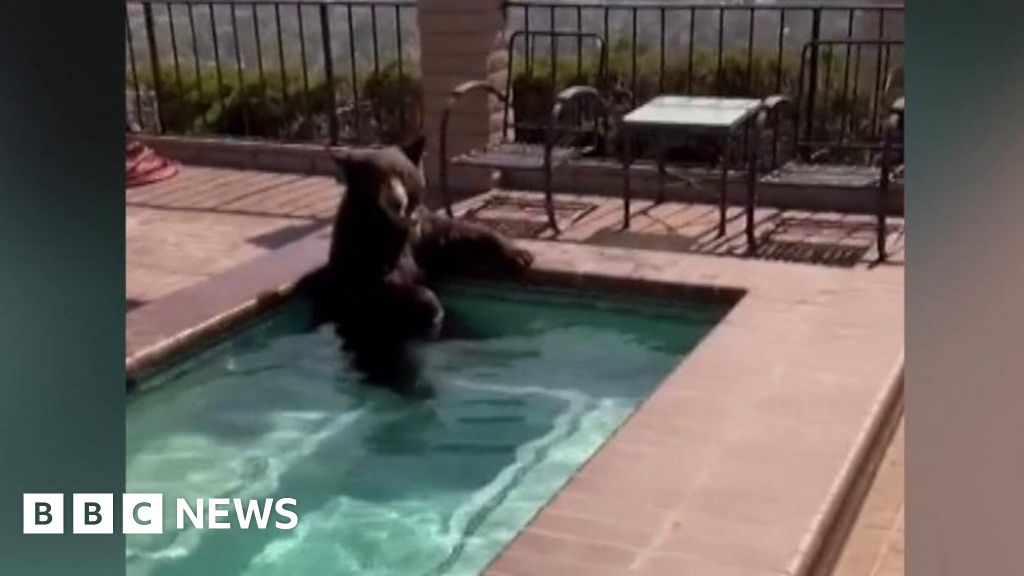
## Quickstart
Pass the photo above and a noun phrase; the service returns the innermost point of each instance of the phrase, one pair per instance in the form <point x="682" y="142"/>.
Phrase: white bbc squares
<point x="42" y="513"/>
<point x="92" y="514"/>
<point x="142" y="514"/>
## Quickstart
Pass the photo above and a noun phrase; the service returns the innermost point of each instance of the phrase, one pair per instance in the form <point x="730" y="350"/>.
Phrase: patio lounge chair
<point x="866" y="159"/>
<point x="544" y="139"/>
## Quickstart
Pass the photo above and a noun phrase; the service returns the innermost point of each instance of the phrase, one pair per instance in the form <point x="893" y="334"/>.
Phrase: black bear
<point x="386" y="249"/>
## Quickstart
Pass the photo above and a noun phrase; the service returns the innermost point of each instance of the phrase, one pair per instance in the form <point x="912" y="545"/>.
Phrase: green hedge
<point x="282" y="109"/>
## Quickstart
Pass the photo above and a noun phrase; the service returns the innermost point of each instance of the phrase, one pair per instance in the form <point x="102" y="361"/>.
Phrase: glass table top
<point x="693" y="111"/>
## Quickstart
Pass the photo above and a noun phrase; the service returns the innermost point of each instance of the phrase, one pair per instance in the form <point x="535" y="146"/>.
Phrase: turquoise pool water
<point x="526" y="386"/>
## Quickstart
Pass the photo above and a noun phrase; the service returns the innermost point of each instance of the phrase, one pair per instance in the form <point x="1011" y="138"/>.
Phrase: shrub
<point x="282" y="108"/>
<point x="396" y="100"/>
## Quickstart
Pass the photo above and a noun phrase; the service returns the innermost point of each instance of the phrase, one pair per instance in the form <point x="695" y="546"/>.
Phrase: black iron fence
<point x="348" y="70"/>
<point x="737" y="49"/>
<point x="304" y="70"/>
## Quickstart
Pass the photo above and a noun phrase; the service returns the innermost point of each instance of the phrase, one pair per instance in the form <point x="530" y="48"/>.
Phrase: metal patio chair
<point x="865" y="157"/>
<point x="549" y="140"/>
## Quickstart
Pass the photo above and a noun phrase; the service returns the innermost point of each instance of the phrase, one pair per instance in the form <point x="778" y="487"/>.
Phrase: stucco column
<point x="460" y="40"/>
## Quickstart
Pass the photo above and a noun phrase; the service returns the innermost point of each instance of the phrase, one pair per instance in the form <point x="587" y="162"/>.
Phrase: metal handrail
<point x="527" y="36"/>
<point x="551" y="134"/>
<point x="457" y="93"/>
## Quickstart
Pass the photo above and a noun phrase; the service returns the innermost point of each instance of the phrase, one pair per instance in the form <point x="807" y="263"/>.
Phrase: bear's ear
<point x="357" y="173"/>
<point x="342" y="165"/>
<point x="346" y="163"/>
<point x="413" y="149"/>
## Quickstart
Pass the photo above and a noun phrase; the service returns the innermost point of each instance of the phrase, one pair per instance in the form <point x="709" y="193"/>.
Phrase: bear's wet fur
<point x="386" y="250"/>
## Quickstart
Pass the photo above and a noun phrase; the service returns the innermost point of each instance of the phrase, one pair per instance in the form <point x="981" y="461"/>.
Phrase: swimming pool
<point x="524" y="387"/>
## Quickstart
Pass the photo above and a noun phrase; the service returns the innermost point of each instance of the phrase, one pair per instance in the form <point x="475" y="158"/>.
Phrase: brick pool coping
<point x="740" y="461"/>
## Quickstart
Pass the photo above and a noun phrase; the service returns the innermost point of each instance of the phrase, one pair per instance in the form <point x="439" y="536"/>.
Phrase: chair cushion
<point x="826" y="175"/>
<point x="516" y="156"/>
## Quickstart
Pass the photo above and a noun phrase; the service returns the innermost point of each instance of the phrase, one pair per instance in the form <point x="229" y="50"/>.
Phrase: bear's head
<point x="388" y="180"/>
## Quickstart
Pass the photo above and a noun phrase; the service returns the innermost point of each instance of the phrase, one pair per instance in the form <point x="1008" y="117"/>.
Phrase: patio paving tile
<point x="205" y="221"/>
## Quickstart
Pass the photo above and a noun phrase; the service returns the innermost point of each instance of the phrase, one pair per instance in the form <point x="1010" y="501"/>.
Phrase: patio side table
<point x="698" y="115"/>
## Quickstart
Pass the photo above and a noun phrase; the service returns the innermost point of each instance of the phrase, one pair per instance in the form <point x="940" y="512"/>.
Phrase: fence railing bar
<point x="305" y="66"/>
<point x="506" y="122"/>
<point x="377" y="114"/>
<point x="154" y="64"/>
<point x="553" y="48"/>
<point x="134" y="71"/>
<point x="401" y="73"/>
<point x="259" y="51"/>
<point x="354" y="72"/>
<point x="200" y="90"/>
<point x="174" y="50"/>
<point x="846" y="79"/>
<point x="689" y="51"/>
<point x="280" y="53"/>
<point x="878" y="75"/>
<point x="750" y="53"/>
<point x="856" y="87"/>
<point x="812" y="88"/>
<point x="828" y="88"/>
<point x="216" y="57"/>
<point x="238" y="67"/>
<point x="778" y="81"/>
<point x="885" y="87"/>
<point x="376" y="41"/>
<point x="607" y="36"/>
<point x="331" y="105"/>
<point x="579" y="44"/>
<point x="721" y="49"/>
<point x="782" y="40"/>
<point x="527" y="55"/>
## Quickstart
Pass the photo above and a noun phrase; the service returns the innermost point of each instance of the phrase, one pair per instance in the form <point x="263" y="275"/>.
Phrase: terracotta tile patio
<point x="207" y="220"/>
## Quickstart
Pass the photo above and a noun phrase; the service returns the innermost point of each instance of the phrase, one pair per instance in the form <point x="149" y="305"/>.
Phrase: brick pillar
<point x="460" y="40"/>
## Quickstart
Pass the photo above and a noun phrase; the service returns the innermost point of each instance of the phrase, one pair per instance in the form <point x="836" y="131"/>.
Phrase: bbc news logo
<point x="144" y="513"/>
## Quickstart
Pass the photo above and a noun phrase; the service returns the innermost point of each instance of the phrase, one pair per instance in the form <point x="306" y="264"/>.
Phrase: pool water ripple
<point x="526" y="386"/>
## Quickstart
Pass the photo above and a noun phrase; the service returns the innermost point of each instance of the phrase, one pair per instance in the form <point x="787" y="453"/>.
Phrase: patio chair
<point x="864" y="155"/>
<point x="542" y="139"/>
